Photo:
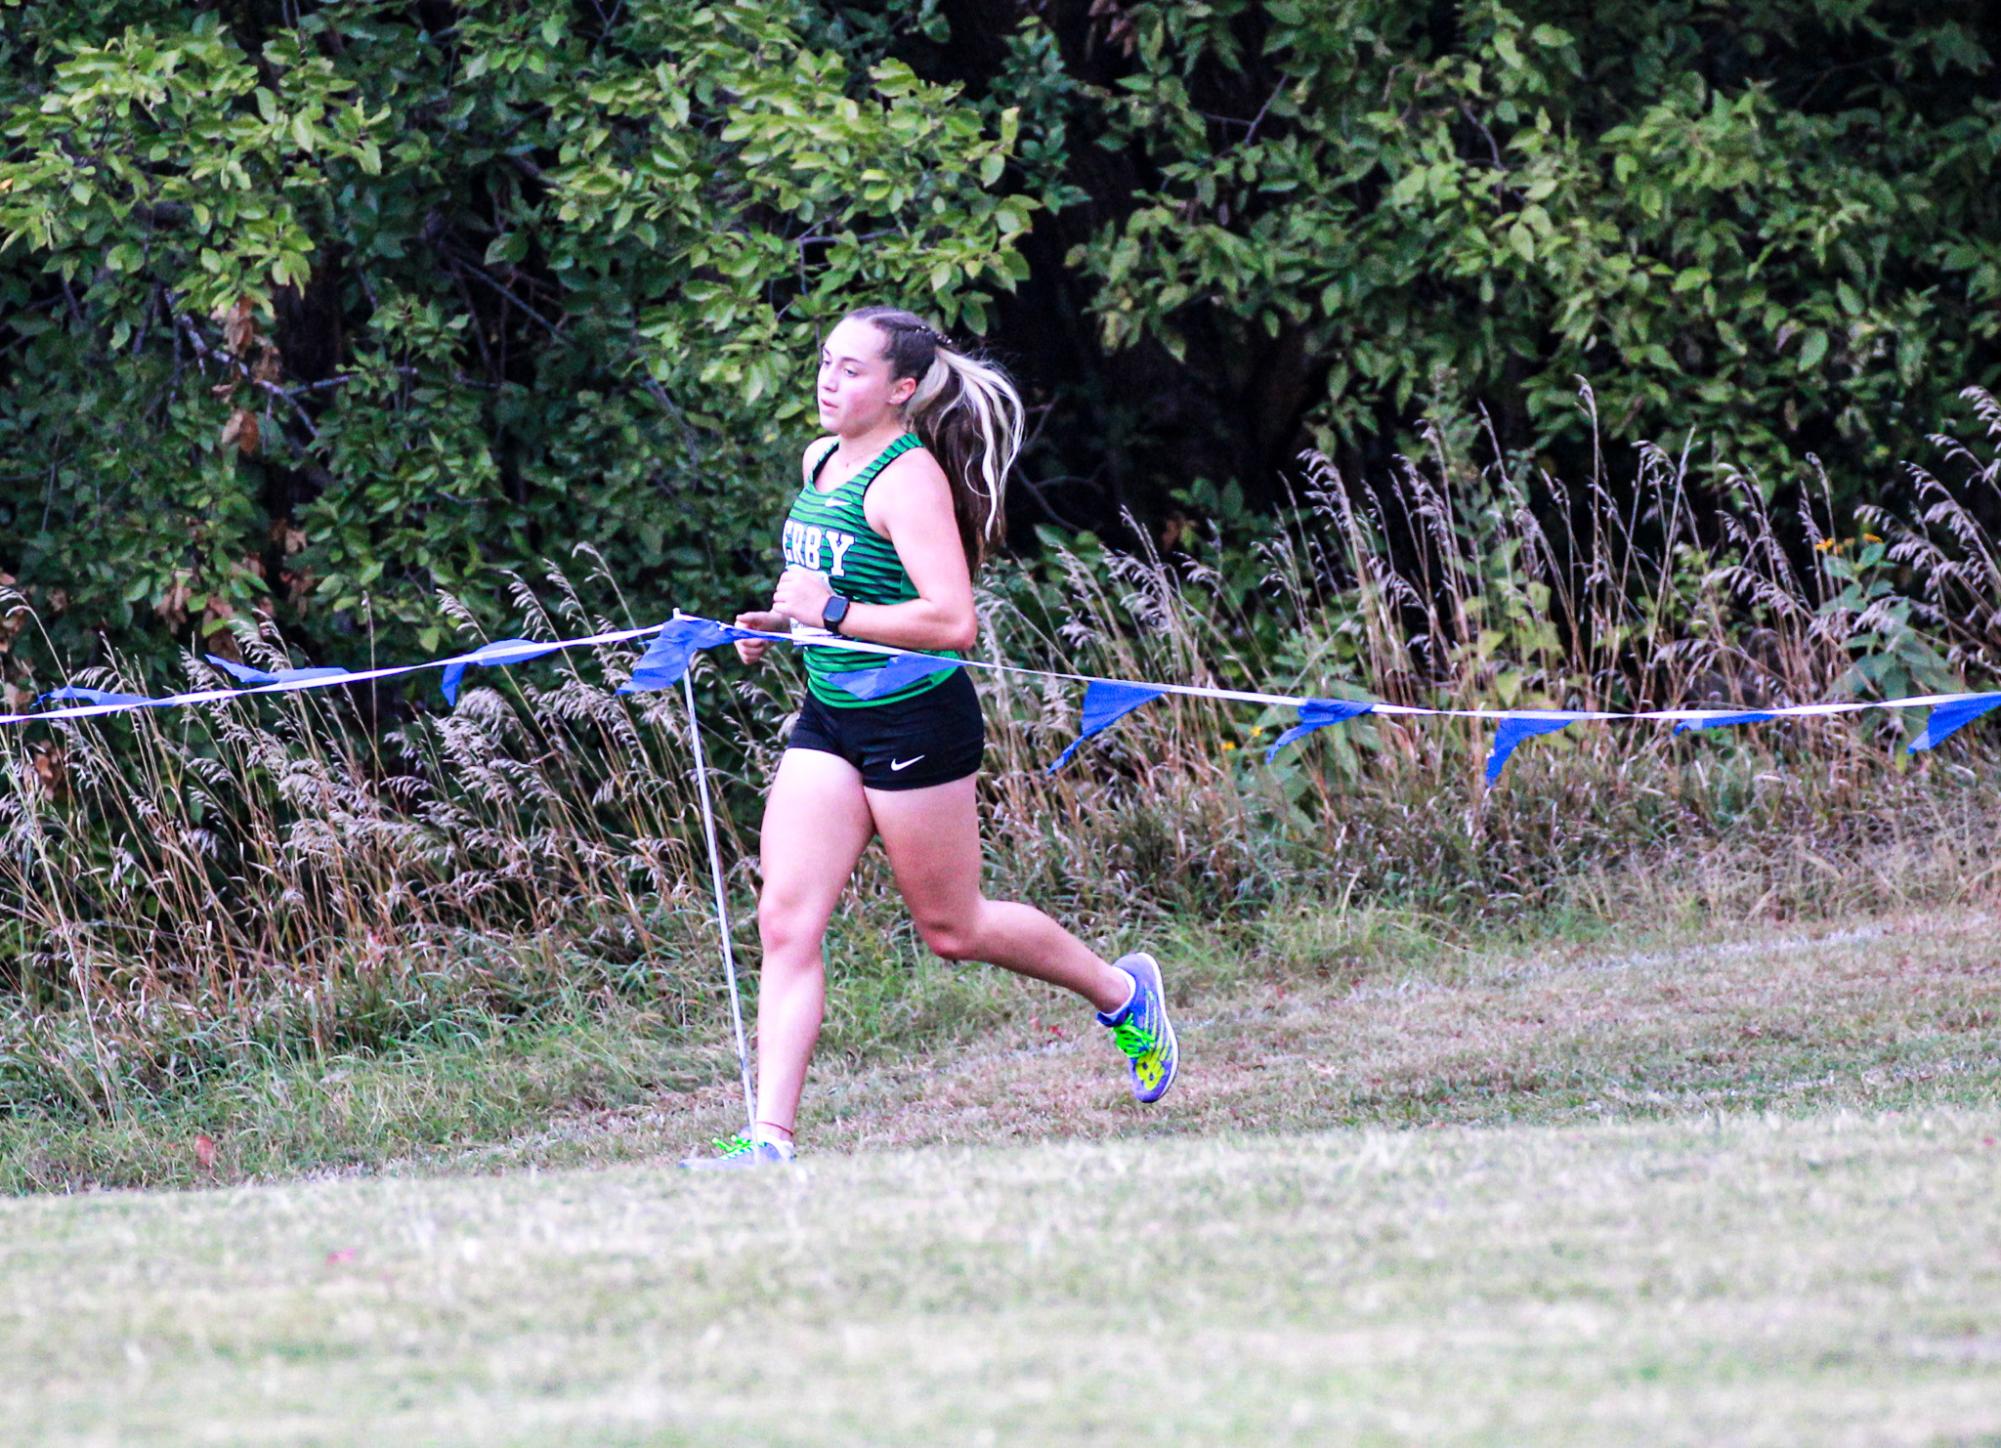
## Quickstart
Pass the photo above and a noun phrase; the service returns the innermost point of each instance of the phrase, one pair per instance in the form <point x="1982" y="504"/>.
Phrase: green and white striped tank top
<point x="828" y="533"/>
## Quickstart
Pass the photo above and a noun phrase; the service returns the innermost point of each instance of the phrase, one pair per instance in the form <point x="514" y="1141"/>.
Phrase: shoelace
<point x="1134" y="1040"/>
<point x="733" y="1145"/>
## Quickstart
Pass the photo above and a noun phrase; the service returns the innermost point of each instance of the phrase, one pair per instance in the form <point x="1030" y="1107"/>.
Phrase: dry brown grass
<point x="1891" y="1011"/>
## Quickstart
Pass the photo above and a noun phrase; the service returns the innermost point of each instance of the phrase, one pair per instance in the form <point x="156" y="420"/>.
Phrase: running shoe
<point x="739" y="1152"/>
<point x="1140" y="1028"/>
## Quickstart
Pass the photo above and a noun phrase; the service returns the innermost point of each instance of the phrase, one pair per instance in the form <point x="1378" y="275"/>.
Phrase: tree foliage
<point x="309" y="316"/>
<point x="309" y="311"/>
<point x="1772" y="227"/>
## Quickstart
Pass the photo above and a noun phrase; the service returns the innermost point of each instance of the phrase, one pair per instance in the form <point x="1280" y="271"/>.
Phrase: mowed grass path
<point x="1833" y="1279"/>
<point x="1742" y="1189"/>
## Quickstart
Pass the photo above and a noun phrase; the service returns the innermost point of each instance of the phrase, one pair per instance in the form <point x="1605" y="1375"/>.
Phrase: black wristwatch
<point x="835" y="611"/>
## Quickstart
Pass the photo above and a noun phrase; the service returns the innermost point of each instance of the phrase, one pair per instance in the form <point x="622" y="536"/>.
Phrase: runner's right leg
<point x="816" y="825"/>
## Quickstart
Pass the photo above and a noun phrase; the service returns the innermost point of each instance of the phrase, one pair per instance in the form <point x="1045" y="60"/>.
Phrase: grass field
<point x="1745" y="1279"/>
<point x="1712" y="1185"/>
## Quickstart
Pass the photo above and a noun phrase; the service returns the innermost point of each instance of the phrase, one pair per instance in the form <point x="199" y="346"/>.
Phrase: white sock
<point x="1131" y="995"/>
<point x="765" y="1135"/>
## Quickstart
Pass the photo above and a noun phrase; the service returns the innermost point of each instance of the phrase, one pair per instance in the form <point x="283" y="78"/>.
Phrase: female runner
<point x="893" y="514"/>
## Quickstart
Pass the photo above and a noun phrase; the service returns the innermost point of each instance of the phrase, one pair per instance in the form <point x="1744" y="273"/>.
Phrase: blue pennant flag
<point x="1318" y="714"/>
<point x="1105" y="704"/>
<point x="1512" y="732"/>
<point x="678" y="642"/>
<point x="1722" y="721"/>
<point x="244" y="674"/>
<point x="1946" y="719"/>
<point x="76" y="695"/>
<point x="901" y="671"/>
<point x="494" y="655"/>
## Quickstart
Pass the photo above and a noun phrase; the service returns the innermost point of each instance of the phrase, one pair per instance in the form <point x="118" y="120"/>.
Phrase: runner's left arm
<point x="912" y="507"/>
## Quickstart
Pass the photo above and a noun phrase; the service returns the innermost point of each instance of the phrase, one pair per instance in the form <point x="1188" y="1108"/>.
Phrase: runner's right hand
<point x="751" y="651"/>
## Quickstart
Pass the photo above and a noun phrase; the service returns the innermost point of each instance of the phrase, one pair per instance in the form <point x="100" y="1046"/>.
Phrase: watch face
<point x="835" y="611"/>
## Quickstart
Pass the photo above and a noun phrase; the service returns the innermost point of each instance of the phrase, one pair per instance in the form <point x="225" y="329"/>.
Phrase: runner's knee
<point x="785" y="930"/>
<point x="951" y="937"/>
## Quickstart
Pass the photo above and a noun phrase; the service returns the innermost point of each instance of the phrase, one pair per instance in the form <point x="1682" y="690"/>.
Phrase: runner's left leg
<point x="932" y="836"/>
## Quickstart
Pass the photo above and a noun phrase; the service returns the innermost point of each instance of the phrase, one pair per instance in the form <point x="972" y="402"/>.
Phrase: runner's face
<point x="857" y="390"/>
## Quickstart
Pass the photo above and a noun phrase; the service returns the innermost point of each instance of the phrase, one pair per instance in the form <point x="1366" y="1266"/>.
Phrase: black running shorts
<point x="934" y="738"/>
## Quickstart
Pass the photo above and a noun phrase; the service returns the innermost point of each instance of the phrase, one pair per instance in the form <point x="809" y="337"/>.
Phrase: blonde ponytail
<point x="968" y="415"/>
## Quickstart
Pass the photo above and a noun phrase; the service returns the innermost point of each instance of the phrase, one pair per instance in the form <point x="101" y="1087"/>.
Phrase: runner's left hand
<point x="802" y="595"/>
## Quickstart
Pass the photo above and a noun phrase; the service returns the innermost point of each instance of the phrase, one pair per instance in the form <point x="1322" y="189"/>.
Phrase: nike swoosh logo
<point x="896" y="764"/>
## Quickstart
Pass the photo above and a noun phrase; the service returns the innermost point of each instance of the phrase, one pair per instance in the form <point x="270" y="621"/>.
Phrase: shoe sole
<point x="748" y="1161"/>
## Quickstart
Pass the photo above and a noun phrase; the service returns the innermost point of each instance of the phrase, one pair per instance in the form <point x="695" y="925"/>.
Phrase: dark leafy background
<point x="310" y="311"/>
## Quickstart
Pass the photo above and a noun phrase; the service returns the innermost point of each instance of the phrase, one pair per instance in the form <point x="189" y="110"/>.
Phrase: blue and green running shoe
<point x="739" y="1152"/>
<point x="1140" y="1028"/>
